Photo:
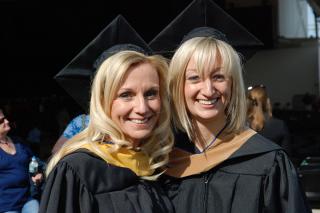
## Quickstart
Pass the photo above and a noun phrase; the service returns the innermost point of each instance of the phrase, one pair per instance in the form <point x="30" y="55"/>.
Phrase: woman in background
<point x="261" y="120"/>
<point x="15" y="181"/>
<point x="75" y="126"/>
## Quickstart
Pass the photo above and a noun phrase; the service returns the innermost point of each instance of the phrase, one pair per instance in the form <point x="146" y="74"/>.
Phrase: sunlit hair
<point x="259" y="107"/>
<point x="206" y="50"/>
<point x="106" y="83"/>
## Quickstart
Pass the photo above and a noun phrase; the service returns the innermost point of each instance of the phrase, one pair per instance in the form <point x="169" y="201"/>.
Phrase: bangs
<point x="208" y="53"/>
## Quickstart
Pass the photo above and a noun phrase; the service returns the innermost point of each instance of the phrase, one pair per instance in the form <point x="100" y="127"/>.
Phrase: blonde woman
<point x="112" y="164"/>
<point x="220" y="165"/>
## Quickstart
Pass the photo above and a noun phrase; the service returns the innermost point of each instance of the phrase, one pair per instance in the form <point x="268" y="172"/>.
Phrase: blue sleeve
<point x="73" y="127"/>
<point x="87" y="120"/>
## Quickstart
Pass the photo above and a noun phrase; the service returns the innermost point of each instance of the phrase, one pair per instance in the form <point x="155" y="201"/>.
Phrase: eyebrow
<point x="129" y="89"/>
<point x="216" y="69"/>
<point x="191" y="70"/>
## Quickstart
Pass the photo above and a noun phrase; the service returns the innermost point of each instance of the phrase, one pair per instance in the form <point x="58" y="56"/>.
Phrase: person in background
<point x="112" y="164"/>
<point x="219" y="164"/>
<point x="261" y="120"/>
<point x="75" y="126"/>
<point x="15" y="195"/>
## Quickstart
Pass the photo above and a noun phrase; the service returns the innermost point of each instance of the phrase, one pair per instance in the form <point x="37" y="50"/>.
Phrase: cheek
<point x="189" y="91"/>
<point x="119" y="109"/>
<point x="155" y="105"/>
<point x="227" y="92"/>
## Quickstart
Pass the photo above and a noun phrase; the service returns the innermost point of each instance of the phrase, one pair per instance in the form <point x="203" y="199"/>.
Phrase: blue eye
<point x="193" y="78"/>
<point x="151" y="94"/>
<point x="125" y="95"/>
<point x="218" y="77"/>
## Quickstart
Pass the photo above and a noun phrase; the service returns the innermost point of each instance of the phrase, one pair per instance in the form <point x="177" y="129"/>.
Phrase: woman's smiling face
<point x="137" y="104"/>
<point x="208" y="93"/>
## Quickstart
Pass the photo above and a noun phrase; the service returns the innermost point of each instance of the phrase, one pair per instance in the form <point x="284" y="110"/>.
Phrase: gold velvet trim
<point x="184" y="164"/>
<point x="138" y="162"/>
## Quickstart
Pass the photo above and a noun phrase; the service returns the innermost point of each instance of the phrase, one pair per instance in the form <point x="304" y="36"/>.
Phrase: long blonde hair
<point x="101" y="127"/>
<point x="259" y="107"/>
<point x="205" y="50"/>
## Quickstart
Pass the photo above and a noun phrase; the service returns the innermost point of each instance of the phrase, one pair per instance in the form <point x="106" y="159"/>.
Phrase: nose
<point x="208" y="87"/>
<point x="6" y="121"/>
<point x="141" y="106"/>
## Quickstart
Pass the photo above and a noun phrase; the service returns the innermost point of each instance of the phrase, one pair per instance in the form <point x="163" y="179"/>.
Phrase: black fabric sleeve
<point x="286" y="139"/>
<point x="65" y="192"/>
<point x="282" y="191"/>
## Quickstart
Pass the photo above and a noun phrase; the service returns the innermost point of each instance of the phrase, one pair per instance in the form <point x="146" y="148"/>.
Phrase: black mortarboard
<point x="117" y="48"/>
<point x="205" y="32"/>
<point x="76" y="76"/>
<point x="205" y="13"/>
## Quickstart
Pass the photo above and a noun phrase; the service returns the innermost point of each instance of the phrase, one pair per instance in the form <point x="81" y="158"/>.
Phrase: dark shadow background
<point x="38" y="39"/>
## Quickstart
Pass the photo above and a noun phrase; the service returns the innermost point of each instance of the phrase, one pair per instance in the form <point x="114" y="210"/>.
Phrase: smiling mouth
<point x="140" y="121"/>
<point x="208" y="102"/>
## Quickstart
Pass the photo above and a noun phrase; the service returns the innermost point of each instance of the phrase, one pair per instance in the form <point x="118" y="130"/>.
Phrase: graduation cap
<point x="205" y="13"/>
<point x="75" y="78"/>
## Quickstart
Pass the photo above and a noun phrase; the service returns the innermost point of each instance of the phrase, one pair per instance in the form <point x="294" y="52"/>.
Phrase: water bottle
<point x="33" y="166"/>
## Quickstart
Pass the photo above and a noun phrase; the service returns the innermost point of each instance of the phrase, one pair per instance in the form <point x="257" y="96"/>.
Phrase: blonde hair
<point x="206" y="50"/>
<point x="101" y="127"/>
<point x="259" y="107"/>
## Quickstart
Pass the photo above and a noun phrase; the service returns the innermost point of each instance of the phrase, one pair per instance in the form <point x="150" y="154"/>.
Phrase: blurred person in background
<point x="75" y="126"/>
<point x="261" y="120"/>
<point x="15" y="192"/>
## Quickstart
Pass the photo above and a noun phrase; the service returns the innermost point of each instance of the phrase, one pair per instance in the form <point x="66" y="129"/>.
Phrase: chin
<point x="207" y="116"/>
<point x="139" y="136"/>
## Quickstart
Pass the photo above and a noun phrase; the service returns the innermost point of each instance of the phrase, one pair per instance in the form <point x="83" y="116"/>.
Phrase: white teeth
<point x="137" y="121"/>
<point x="208" y="102"/>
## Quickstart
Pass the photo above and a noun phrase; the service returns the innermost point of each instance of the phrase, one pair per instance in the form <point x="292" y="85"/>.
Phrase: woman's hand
<point x="37" y="179"/>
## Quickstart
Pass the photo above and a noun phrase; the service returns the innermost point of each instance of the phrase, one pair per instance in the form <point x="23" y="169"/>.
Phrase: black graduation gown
<point x="83" y="182"/>
<point x="257" y="178"/>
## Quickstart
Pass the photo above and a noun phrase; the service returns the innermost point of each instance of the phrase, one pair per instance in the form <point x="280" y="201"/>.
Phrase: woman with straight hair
<point x="112" y="165"/>
<point x="219" y="164"/>
<point x="261" y="120"/>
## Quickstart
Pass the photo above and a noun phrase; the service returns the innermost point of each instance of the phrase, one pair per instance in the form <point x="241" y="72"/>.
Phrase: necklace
<point x="214" y="139"/>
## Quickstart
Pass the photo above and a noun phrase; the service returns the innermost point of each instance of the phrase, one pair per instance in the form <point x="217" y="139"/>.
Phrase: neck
<point x="206" y="131"/>
<point x="4" y="139"/>
<point x="135" y="143"/>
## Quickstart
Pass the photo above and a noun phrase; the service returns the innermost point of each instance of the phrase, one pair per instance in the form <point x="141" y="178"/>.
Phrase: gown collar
<point x="184" y="161"/>
<point x="138" y="162"/>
